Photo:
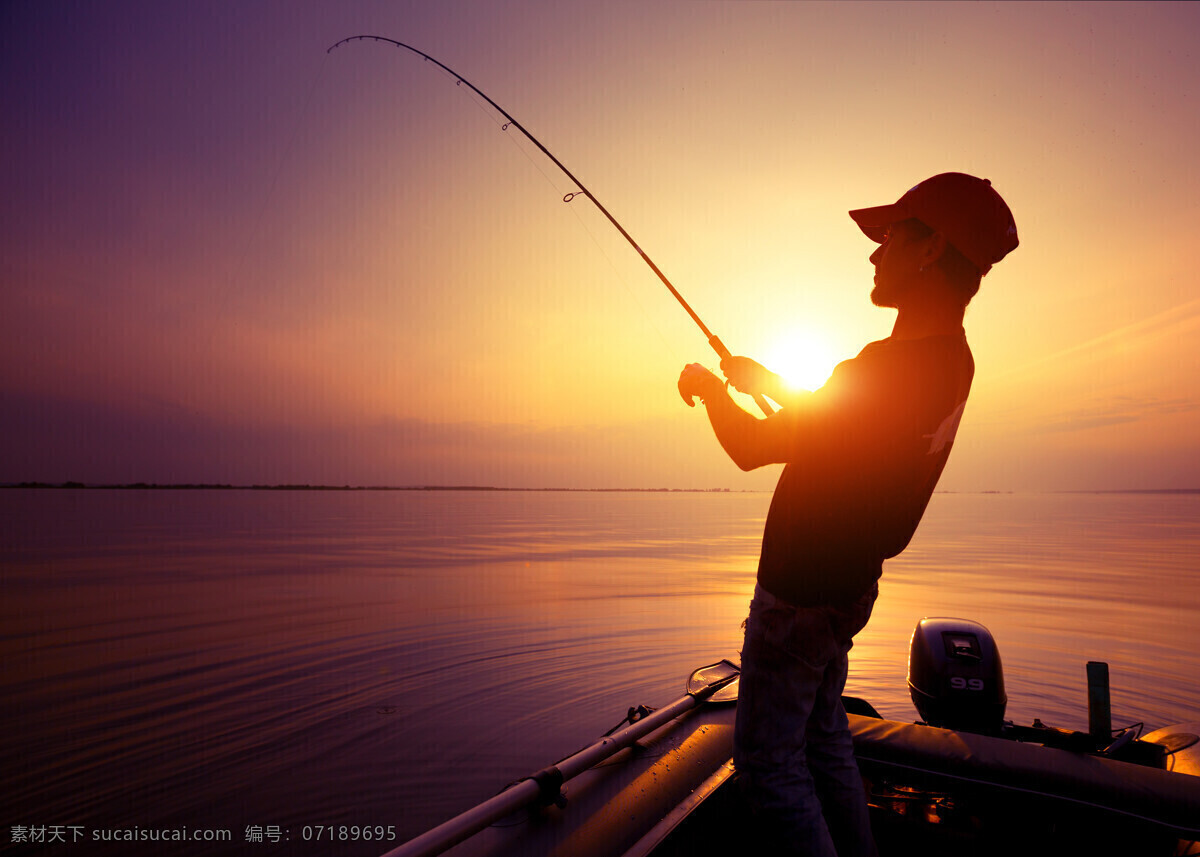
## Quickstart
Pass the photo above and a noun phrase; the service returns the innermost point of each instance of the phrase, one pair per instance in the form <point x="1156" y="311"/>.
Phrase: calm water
<point x="230" y="659"/>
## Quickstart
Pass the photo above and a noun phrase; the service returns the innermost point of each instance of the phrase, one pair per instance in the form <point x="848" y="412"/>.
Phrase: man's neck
<point x="930" y="320"/>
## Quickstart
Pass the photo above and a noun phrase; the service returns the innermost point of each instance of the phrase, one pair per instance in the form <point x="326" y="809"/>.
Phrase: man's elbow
<point x="746" y="441"/>
<point x="746" y="460"/>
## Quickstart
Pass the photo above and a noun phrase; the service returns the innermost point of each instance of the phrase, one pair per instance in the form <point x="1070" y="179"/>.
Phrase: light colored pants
<point x="792" y="746"/>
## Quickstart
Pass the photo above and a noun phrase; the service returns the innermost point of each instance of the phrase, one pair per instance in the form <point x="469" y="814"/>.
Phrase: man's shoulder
<point x="939" y="342"/>
<point x="903" y="369"/>
<point x="943" y="351"/>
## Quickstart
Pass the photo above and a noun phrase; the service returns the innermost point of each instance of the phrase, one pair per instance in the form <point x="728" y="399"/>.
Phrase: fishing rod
<point x="717" y="345"/>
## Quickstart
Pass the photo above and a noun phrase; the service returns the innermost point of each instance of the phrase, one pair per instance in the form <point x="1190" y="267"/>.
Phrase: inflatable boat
<point x="961" y="781"/>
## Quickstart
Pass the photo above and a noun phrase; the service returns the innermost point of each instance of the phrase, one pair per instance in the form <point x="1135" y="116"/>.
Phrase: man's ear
<point x="935" y="248"/>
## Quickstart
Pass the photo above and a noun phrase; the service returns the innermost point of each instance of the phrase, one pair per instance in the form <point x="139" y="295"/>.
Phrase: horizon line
<point x="214" y="486"/>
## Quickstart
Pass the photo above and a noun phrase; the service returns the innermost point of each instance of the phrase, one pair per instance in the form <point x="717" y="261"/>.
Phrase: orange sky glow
<point x="231" y="257"/>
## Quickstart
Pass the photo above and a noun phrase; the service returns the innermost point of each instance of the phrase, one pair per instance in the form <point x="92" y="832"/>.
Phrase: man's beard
<point x="883" y="296"/>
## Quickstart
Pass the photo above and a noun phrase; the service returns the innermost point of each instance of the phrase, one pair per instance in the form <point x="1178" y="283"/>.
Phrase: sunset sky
<point x="228" y="256"/>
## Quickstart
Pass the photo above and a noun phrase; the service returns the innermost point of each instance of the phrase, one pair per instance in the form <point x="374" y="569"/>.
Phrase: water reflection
<point x="391" y="658"/>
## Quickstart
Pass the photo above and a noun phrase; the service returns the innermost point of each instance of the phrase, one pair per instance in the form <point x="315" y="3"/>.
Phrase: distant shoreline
<point x="187" y="486"/>
<point x="151" y="486"/>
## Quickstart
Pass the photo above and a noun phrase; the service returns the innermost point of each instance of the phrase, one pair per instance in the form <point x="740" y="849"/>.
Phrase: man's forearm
<point x="737" y="431"/>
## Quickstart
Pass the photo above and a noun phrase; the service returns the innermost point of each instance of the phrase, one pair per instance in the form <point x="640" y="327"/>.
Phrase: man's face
<point x="897" y="263"/>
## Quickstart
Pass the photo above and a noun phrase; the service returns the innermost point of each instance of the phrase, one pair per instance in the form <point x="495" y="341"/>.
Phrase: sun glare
<point x="804" y="361"/>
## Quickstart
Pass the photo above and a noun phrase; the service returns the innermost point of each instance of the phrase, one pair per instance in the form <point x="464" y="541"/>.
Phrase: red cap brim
<point x="874" y="222"/>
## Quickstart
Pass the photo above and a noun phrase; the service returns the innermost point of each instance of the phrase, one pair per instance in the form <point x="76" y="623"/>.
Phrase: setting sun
<point x="804" y="360"/>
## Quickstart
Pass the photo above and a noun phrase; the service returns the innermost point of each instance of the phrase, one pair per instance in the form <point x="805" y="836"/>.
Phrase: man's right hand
<point x="747" y="376"/>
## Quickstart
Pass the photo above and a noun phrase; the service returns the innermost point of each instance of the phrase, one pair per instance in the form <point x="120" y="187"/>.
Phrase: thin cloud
<point x="1117" y="410"/>
<point x="1170" y="323"/>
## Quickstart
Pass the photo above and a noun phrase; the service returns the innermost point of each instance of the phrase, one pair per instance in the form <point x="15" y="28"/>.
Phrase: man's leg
<point x="784" y="662"/>
<point x="831" y="748"/>
<point x="830" y="753"/>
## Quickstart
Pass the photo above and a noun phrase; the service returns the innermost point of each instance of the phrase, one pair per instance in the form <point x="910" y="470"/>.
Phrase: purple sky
<point x="227" y="256"/>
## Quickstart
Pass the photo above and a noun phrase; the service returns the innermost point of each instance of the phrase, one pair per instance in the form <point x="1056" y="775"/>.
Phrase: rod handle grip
<point x="723" y="352"/>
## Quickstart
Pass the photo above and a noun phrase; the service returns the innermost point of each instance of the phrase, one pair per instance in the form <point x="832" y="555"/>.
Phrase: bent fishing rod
<point x="716" y="343"/>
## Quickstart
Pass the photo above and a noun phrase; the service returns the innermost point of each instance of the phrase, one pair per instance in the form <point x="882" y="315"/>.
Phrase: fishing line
<point x="296" y="128"/>
<point x="287" y="152"/>
<point x="568" y="198"/>
<point x="713" y="341"/>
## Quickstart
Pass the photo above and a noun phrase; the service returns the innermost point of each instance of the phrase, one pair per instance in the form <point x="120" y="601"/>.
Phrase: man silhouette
<point x="862" y="456"/>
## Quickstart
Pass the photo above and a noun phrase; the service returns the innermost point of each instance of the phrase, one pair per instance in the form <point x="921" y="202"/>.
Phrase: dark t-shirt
<point x="866" y="452"/>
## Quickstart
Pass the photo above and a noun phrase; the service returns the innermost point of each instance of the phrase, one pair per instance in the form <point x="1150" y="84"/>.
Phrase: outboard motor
<point x="954" y="676"/>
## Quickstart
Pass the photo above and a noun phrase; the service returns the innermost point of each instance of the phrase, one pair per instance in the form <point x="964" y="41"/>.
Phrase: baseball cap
<point x="966" y="209"/>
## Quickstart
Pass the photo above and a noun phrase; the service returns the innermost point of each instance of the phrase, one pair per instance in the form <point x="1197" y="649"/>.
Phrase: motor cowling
<point x="955" y="677"/>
